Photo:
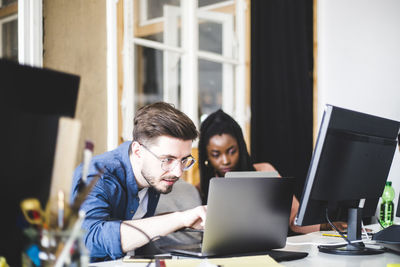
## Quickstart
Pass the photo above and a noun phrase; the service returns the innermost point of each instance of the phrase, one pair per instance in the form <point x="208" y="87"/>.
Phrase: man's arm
<point x="136" y="233"/>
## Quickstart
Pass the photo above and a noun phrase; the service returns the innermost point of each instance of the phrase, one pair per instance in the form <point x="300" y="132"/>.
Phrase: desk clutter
<point x="54" y="234"/>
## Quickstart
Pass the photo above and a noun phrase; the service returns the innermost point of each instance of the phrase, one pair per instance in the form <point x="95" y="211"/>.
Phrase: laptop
<point x="245" y="216"/>
<point x="254" y="174"/>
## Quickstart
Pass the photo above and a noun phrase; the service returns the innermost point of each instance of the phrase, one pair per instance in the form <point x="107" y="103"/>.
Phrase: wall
<point x="358" y="60"/>
<point x="75" y="42"/>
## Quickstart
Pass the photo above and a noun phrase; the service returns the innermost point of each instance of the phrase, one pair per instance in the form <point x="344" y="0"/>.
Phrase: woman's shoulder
<point x="263" y="167"/>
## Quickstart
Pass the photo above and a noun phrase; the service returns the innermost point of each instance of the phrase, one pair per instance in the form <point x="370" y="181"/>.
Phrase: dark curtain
<point x="281" y="85"/>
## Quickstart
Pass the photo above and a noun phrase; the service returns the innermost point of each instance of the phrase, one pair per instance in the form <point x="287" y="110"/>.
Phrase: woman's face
<point x="223" y="153"/>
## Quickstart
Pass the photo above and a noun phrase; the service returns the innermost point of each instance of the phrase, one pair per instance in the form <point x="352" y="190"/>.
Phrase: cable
<point x="340" y="233"/>
<point x="371" y="242"/>
<point x="318" y="244"/>
<point x="355" y="243"/>
<point x="150" y="239"/>
<point x="364" y="231"/>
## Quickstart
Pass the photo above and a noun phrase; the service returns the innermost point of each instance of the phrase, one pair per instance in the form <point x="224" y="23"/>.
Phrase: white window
<point x="30" y="32"/>
<point x="9" y="29"/>
<point x="21" y="31"/>
<point x="186" y="52"/>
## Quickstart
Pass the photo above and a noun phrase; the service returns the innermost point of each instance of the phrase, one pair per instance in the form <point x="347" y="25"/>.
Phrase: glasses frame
<point x="173" y="166"/>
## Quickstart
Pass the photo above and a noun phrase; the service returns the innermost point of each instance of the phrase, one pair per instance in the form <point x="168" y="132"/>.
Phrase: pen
<point x="141" y="260"/>
<point x="334" y="235"/>
<point x="60" y="209"/>
<point x="66" y="248"/>
<point x="87" y="156"/>
<point x="158" y="262"/>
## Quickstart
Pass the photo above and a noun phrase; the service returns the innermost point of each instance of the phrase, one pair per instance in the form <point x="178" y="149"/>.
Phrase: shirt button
<point x="132" y="211"/>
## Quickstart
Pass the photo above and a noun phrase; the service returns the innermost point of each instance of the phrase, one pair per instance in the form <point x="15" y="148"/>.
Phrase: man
<point x="120" y="208"/>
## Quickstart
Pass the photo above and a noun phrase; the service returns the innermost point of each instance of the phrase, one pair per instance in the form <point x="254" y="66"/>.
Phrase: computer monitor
<point x="347" y="173"/>
<point x="398" y="207"/>
<point x="32" y="101"/>
<point x="398" y="200"/>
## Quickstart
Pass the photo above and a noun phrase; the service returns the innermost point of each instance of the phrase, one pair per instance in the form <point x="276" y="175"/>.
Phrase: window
<point x="9" y="29"/>
<point x="21" y="31"/>
<point x="187" y="52"/>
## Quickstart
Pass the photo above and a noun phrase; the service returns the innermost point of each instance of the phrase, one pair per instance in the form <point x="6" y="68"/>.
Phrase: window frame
<point x="30" y="29"/>
<point x="236" y="104"/>
<point x="3" y="21"/>
<point x="30" y="32"/>
<point x="7" y="13"/>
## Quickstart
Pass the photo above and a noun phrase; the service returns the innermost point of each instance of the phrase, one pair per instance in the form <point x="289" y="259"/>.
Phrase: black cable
<point x="357" y="245"/>
<point x="340" y="233"/>
<point x="150" y="239"/>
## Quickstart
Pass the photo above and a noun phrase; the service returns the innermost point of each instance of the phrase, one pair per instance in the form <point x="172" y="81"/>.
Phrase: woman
<point x="222" y="149"/>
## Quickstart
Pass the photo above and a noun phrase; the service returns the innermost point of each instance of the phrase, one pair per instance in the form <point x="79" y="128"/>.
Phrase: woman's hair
<point x="161" y="119"/>
<point x="219" y="123"/>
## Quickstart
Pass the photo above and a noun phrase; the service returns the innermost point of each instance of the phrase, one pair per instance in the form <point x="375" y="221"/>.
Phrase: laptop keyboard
<point x="187" y="247"/>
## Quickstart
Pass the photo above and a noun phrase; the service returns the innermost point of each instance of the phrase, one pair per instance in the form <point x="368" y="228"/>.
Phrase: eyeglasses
<point x="168" y="164"/>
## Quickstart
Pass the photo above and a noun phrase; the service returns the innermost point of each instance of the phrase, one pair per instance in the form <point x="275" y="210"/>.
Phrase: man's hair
<point x="218" y="123"/>
<point x="162" y="119"/>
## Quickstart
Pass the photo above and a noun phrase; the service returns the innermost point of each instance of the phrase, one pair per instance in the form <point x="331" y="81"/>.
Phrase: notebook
<point x="245" y="216"/>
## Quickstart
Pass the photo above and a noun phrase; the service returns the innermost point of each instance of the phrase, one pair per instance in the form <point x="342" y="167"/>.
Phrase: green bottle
<point x="387" y="206"/>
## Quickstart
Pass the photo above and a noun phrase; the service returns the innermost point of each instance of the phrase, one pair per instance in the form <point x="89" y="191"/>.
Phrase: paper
<point x="262" y="261"/>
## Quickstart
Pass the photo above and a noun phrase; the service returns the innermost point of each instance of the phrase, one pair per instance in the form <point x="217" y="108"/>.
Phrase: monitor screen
<point x="32" y="101"/>
<point x="349" y="167"/>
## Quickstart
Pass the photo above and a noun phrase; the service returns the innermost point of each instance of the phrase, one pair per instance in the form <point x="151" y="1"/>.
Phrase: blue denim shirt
<point x="112" y="200"/>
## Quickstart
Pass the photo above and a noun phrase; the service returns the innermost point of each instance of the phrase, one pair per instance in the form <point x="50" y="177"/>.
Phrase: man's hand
<point x="132" y="236"/>
<point x="194" y="218"/>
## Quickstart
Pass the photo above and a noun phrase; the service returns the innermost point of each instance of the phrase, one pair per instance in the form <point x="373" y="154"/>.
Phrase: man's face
<point x="164" y="148"/>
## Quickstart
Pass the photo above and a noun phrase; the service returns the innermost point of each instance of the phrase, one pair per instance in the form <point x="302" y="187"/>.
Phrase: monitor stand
<point x="353" y="234"/>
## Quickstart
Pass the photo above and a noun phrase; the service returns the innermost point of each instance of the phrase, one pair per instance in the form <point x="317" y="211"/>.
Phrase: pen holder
<point x="54" y="237"/>
<point x="57" y="244"/>
<point x="55" y="247"/>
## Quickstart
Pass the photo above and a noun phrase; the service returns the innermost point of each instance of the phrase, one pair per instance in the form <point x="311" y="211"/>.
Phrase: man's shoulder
<point x="121" y="153"/>
<point x="114" y="161"/>
<point x="113" y="167"/>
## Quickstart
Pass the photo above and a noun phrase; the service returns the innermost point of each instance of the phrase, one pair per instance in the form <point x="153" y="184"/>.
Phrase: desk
<point x="314" y="259"/>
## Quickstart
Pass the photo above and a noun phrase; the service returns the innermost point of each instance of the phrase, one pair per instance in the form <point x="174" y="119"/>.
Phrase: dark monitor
<point x="32" y="101"/>
<point x="348" y="171"/>
<point x="398" y="200"/>
<point x="398" y="207"/>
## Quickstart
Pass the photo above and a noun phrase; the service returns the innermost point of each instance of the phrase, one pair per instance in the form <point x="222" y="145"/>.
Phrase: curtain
<point x="281" y="85"/>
